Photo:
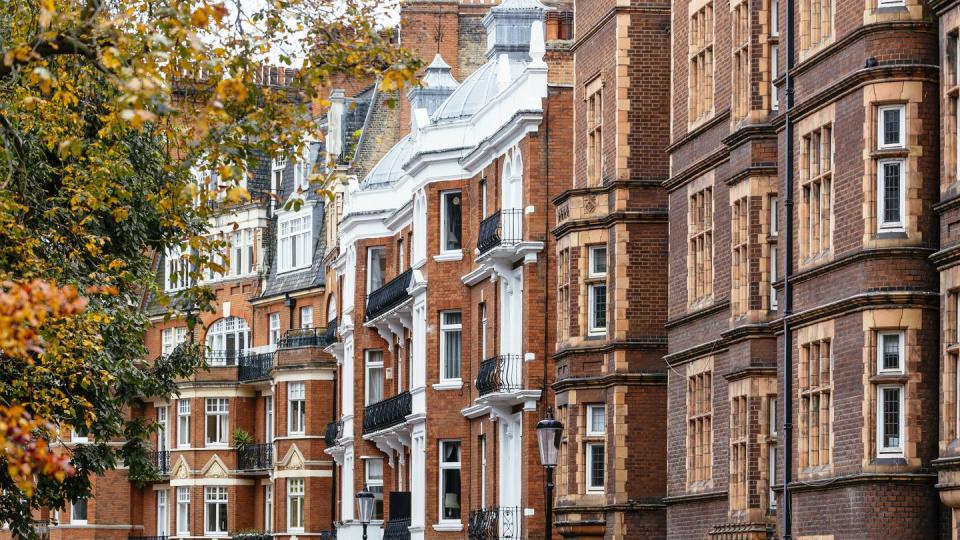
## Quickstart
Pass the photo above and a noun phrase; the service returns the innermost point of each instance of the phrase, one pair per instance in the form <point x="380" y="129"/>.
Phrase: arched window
<point x="331" y="307"/>
<point x="227" y="338"/>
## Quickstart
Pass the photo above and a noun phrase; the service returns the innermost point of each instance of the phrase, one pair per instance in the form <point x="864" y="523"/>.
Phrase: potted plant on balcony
<point x="242" y="440"/>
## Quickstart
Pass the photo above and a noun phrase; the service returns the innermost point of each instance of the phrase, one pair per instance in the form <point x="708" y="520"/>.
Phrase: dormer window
<point x="295" y="250"/>
<point x="176" y="270"/>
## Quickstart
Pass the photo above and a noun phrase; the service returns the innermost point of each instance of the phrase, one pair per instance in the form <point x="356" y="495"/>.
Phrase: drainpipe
<point x="787" y="286"/>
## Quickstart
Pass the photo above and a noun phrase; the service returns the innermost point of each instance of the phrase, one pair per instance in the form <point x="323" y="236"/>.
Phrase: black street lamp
<point x="365" y="503"/>
<point x="549" y="431"/>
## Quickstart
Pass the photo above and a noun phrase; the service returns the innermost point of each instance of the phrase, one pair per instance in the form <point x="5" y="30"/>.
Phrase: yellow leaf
<point x="199" y="17"/>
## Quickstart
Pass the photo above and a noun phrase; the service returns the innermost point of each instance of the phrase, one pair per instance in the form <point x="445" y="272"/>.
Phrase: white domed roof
<point x="476" y="91"/>
<point x="390" y="167"/>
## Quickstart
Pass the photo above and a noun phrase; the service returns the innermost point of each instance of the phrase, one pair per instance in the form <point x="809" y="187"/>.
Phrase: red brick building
<point x="803" y="313"/>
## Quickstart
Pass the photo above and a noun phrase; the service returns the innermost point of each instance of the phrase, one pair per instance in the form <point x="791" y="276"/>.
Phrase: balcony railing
<point x="222" y="358"/>
<point x="254" y="365"/>
<point x="500" y="374"/>
<point x="147" y="538"/>
<point x="494" y="524"/>
<point x="161" y="460"/>
<point x="331" y="334"/>
<point x="333" y="433"/>
<point x="389" y="296"/>
<point x="503" y="228"/>
<point x="387" y="413"/>
<point x="397" y="529"/>
<point x="304" y="337"/>
<point x="41" y="527"/>
<point x="255" y="456"/>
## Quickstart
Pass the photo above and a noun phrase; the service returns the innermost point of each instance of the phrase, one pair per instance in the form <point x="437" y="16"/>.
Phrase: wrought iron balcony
<point x="500" y="374"/>
<point x="397" y="529"/>
<point x="161" y="460"/>
<point x="41" y="527"/>
<point x="387" y="413"/>
<point x="389" y="296"/>
<point x="331" y="335"/>
<point x="333" y="433"/>
<point x="255" y="456"/>
<point x="503" y="228"/>
<point x="494" y="523"/>
<point x="304" y="337"/>
<point x="222" y="358"/>
<point x="254" y="365"/>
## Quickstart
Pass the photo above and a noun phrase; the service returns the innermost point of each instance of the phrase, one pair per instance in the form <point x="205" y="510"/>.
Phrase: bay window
<point x="296" y="408"/>
<point x="295" y="491"/>
<point x="295" y="249"/>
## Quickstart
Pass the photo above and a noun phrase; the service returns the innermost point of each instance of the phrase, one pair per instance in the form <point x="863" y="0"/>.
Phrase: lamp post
<point x="365" y="503"/>
<point x="549" y="431"/>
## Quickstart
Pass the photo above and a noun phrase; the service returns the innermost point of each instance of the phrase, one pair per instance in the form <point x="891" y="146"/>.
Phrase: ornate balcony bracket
<point x="392" y="440"/>
<point x="499" y="406"/>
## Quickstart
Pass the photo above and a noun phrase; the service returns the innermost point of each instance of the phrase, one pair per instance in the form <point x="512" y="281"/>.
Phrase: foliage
<point x="109" y="112"/>
<point x="241" y="439"/>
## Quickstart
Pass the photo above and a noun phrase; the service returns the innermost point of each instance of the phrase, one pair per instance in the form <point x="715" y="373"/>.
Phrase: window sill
<point x="892" y="232"/>
<point x="183" y="447"/>
<point x="297" y="269"/>
<point x="451" y="384"/>
<point x="449" y="256"/>
<point x="448" y="526"/>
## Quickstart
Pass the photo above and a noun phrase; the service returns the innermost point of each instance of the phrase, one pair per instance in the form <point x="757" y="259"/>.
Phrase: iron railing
<point x="333" y="433"/>
<point x="387" y="413"/>
<point x="494" y="523"/>
<point x="304" y="337"/>
<point x="500" y="374"/>
<point x="41" y="527"/>
<point x="161" y="460"/>
<point x="147" y="537"/>
<point x="255" y="456"/>
<point x="397" y="529"/>
<point x="328" y="535"/>
<point x="222" y="358"/>
<point x="389" y="296"/>
<point x="331" y="335"/>
<point x="254" y="365"/>
<point x="252" y="536"/>
<point x="503" y="228"/>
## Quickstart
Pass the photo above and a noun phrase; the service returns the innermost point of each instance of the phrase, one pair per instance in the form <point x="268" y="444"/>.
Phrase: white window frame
<point x="589" y="419"/>
<point x="241" y="243"/>
<point x="774" y="270"/>
<point x="86" y="512"/>
<point x="483" y="331"/>
<point x="772" y="454"/>
<point x="183" y="423"/>
<point x="273" y="337"/>
<point x="883" y="451"/>
<point x="295" y="232"/>
<point x="774" y="68"/>
<point x="592" y="274"/>
<point x="220" y="409"/>
<point x="218" y="334"/>
<point x="375" y="484"/>
<point x="171" y="338"/>
<point x="774" y="17"/>
<point x="440" y="480"/>
<point x="268" y="418"/>
<point x="163" y="513"/>
<point x="370" y="365"/>
<point x="296" y="491"/>
<point x="774" y="216"/>
<point x="588" y="481"/>
<point x="901" y="348"/>
<point x="891" y="3"/>
<point x="216" y="496"/>
<point x="902" y="112"/>
<point x="163" y="428"/>
<point x="447" y="329"/>
<point x="76" y="438"/>
<point x="881" y="200"/>
<point x="296" y="408"/>
<point x="183" y="511"/>
<point x="483" y="197"/>
<point x="370" y="257"/>
<point x="268" y="508"/>
<point x="306" y="310"/>
<point x="173" y="263"/>
<point x="443" y="222"/>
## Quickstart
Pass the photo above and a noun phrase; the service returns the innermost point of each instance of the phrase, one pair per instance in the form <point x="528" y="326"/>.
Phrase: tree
<point x="108" y="108"/>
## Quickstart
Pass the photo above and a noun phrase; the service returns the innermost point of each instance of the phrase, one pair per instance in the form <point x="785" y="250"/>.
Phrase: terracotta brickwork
<point x="863" y="289"/>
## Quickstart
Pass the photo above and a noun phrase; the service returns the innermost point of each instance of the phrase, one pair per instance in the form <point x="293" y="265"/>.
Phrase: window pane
<point x="599" y="306"/>
<point x="597" y="414"/>
<point x="375" y="392"/>
<point x="451" y="221"/>
<point x="891" y="417"/>
<point x="891" y="127"/>
<point x="451" y="318"/>
<point x="891" y="192"/>
<point x="891" y="351"/>
<point x="451" y="452"/>
<point x="451" y="493"/>
<point x="596" y="465"/>
<point x="599" y="260"/>
<point x="451" y="353"/>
